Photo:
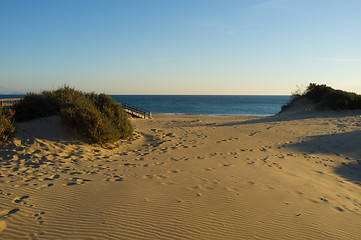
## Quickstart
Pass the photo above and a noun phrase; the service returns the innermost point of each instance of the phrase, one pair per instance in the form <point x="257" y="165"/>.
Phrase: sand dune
<point x="187" y="177"/>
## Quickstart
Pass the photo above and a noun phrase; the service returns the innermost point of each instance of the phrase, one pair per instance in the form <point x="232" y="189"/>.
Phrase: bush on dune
<point x="333" y="99"/>
<point x="7" y="129"/>
<point x="97" y="117"/>
<point x="34" y="106"/>
<point x="326" y="98"/>
<point x="114" y="113"/>
<point x="101" y="123"/>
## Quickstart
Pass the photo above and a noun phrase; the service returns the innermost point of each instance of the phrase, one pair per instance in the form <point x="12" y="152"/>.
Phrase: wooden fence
<point x="8" y="102"/>
<point x="136" y="111"/>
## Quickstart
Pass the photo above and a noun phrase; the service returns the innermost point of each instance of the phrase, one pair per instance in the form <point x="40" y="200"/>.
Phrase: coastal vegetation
<point x="323" y="97"/>
<point x="95" y="116"/>
<point x="7" y="129"/>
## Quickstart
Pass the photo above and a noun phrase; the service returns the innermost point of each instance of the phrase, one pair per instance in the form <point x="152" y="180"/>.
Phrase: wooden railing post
<point x="135" y="111"/>
<point x="9" y="102"/>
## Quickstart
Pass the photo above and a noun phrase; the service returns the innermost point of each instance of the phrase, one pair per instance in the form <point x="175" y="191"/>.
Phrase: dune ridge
<point x="290" y="176"/>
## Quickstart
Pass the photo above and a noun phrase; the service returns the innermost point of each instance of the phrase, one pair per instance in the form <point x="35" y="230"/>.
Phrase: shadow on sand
<point x="34" y="136"/>
<point x="347" y="145"/>
<point x="284" y="117"/>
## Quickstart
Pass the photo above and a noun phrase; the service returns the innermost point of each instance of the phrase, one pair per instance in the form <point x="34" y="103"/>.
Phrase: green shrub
<point x="97" y="117"/>
<point x="34" y="106"/>
<point x="87" y="120"/>
<point x="114" y="113"/>
<point x="327" y="98"/>
<point x="7" y="129"/>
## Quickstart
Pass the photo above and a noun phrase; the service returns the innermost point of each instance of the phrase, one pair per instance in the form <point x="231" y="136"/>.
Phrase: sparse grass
<point x="97" y="117"/>
<point x="327" y="98"/>
<point x="7" y="128"/>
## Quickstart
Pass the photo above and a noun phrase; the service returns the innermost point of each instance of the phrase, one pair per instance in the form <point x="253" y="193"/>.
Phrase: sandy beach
<point x="295" y="176"/>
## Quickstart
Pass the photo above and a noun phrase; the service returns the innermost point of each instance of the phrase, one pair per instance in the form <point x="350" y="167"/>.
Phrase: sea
<point x="217" y="105"/>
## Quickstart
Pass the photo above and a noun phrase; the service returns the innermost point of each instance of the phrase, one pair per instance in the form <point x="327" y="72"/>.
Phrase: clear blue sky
<point x="180" y="46"/>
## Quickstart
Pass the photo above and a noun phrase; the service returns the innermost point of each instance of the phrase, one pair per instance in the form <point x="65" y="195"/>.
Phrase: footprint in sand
<point x="44" y="185"/>
<point x="160" y="176"/>
<point x="253" y="133"/>
<point x="75" y="180"/>
<point x="339" y="209"/>
<point x="130" y="164"/>
<point x="115" y="178"/>
<point x="39" y="217"/>
<point x="209" y="169"/>
<point x="20" y="199"/>
<point x="168" y="183"/>
<point x="148" y="176"/>
<point x="51" y="178"/>
<point x="12" y="211"/>
<point x="225" y="164"/>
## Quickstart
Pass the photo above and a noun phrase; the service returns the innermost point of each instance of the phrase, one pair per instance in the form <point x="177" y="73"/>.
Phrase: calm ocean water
<point x="259" y="105"/>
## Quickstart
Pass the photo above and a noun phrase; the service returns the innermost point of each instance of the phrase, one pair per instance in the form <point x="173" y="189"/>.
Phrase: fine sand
<point x="187" y="177"/>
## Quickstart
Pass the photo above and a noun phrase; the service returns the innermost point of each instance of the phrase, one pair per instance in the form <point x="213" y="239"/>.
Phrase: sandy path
<point x="186" y="177"/>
